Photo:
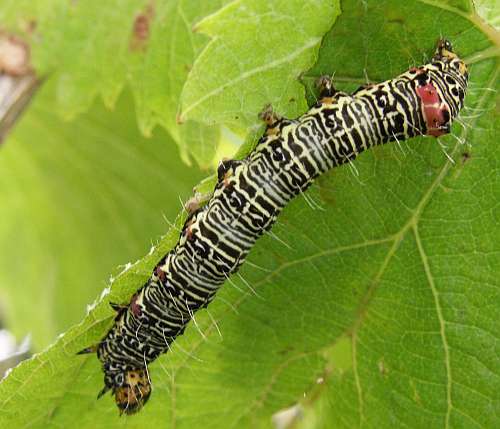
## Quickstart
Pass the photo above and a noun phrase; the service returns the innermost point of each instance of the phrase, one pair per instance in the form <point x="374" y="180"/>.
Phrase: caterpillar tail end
<point x="131" y="388"/>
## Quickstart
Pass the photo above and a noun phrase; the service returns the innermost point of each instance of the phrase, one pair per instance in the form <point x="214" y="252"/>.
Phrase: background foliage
<point x="380" y="310"/>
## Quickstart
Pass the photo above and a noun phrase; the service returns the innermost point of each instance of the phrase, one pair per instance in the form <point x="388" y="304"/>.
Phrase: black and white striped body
<point x="251" y="193"/>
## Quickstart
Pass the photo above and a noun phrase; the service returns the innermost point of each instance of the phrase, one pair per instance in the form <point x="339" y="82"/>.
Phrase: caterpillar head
<point x="455" y="72"/>
<point x="131" y="388"/>
<point x="444" y="53"/>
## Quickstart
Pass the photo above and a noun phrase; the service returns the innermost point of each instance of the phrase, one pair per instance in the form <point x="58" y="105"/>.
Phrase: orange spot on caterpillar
<point x="135" y="308"/>
<point x="227" y="176"/>
<point x="189" y="233"/>
<point x="187" y="230"/>
<point x="160" y="274"/>
<point x="416" y="70"/>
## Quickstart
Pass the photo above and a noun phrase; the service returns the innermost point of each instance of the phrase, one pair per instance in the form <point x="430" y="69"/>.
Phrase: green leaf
<point x="93" y="48"/>
<point x="160" y="70"/>
<point x="380" y="311"/>
<point x="78" y="199"/>
<point x="257" y="51"/>
<point x="489" y="10"/>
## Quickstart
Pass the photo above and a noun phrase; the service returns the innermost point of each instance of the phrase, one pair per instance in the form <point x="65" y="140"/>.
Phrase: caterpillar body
<point x="249" y="195"/>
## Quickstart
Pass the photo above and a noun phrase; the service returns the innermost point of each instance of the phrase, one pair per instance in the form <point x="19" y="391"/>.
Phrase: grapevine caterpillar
<point x="249" y="195"/>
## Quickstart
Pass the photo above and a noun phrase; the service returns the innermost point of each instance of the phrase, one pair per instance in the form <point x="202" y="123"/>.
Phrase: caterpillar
<point x="249" y="195"/>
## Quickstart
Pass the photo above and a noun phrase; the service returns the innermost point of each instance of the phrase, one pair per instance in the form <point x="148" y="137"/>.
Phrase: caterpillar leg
<point x="327" y="92"/>
<point x="271" y="119"/>
<point x="195" y="203"/>
<point x="87" y="350"/>
<point x="226" y="169"/>
<point x="325" y="87"/>
<point x="118" y="307"/>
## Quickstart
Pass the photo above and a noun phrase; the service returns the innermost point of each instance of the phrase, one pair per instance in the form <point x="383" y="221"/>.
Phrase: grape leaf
<point x="93" y="48"/>
<point x="159" y="71"/>
<point x="273" y="44"/>
<point x="381" y="310"/>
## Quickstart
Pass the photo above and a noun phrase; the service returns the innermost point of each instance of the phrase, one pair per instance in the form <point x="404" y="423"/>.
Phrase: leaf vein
<point x="442" y="324"/>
